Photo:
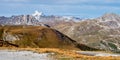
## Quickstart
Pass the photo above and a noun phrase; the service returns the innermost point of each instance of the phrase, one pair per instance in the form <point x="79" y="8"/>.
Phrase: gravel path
<point x="22" y="55"/>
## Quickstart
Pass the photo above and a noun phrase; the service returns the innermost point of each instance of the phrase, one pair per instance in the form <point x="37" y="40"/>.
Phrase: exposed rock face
<point x="10" y="37"/>
<point x="109" y="20"/>
<point x="22" y="20"/>
<point x="102" y="32"/>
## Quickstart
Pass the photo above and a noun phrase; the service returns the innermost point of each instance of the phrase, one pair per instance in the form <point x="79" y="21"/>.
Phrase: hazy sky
<point x="79" y="8"/>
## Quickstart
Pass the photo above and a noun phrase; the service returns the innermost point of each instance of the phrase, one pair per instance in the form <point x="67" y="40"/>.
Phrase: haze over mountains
<point x="101" y="32"/>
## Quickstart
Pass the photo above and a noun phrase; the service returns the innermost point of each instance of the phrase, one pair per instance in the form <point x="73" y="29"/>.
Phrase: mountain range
<point x="101" y="33"/>
<point x="37" y="19"/>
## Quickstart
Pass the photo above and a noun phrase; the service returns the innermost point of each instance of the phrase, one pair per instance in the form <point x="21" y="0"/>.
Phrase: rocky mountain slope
<point x="102" y="32"/>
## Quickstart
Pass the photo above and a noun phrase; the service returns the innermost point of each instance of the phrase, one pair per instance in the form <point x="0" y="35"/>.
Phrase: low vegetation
<point x="39" y="37"/>
<point x="62" y="54"/>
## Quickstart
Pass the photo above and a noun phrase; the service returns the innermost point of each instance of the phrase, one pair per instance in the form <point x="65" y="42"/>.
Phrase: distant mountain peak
<point x="110" y="15"/>
<point x="37" y="14"/>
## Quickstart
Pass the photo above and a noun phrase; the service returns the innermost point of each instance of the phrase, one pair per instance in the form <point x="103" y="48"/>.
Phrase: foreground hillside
<point x="37" y="37"/>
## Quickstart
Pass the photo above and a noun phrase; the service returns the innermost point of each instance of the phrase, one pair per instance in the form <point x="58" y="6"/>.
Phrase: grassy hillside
<point x="38" y="37"/>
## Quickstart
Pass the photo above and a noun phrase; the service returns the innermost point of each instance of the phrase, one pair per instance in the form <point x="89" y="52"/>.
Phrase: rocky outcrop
<point x="10" y="37"/>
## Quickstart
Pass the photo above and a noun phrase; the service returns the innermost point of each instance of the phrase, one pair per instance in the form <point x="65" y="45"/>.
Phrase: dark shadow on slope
<point x="77" y="45"/>
<point x="86" y="48"/>
<point x="6" y="44"/>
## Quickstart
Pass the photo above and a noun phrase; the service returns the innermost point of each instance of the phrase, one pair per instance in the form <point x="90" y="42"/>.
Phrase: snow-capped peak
<point x="37" y="14"/>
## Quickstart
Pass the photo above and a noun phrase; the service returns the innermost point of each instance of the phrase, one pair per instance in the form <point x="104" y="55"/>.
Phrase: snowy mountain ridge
<point x="36" y="18"/>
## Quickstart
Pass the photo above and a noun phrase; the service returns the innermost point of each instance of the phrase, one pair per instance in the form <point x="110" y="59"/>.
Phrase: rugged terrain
<point x="102" y="32"/>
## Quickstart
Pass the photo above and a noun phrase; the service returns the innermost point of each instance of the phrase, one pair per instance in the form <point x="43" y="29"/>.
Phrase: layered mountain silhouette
<point x="101" y="33"/>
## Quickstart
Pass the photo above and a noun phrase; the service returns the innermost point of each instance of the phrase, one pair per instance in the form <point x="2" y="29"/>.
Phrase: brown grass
<point x="37" y="36"/>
